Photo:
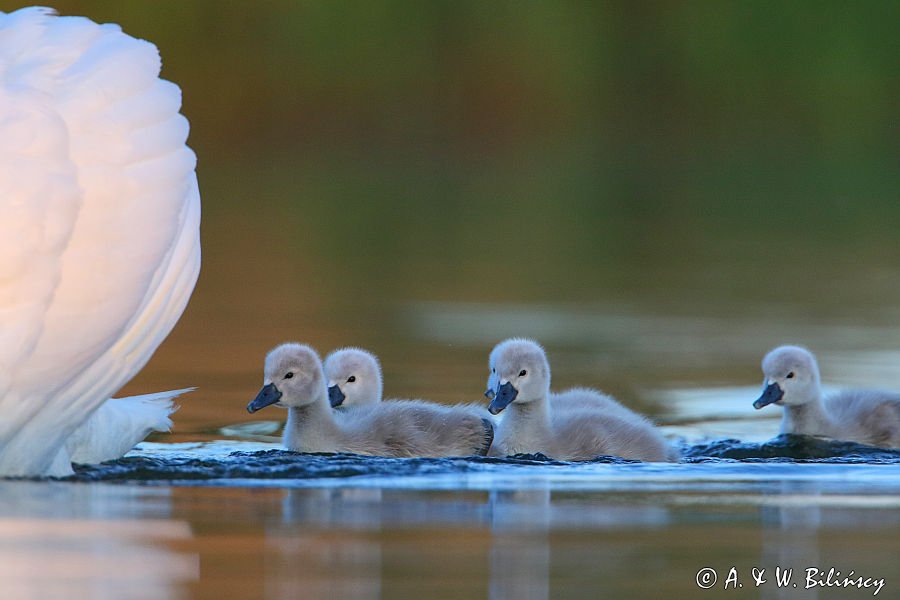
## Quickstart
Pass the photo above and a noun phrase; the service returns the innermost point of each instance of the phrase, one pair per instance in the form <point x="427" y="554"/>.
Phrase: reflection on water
<point x="520" y="548"/>
<point x="311" y="561"/>
<point x="790" y="536"/>
<point x="795" y="535"/>
<point x="536" y="537"/>
<point x="527" y="532"/>
<point x="72" y="541"/>
<point x="342" y="540"/>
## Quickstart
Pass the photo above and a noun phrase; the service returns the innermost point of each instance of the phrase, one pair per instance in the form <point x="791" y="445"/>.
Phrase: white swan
<point x="99" y="225"/>
<point x="582" y="433"/>
<point x="354" y="379"/>
<point x="792" y="381"/>
<point x="294" y="378"/>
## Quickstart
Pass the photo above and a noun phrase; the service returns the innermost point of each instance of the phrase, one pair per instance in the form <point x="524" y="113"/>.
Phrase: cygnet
<point x="792" y="381"/>
<point x="533" y="424"/>
<point x="354" y="379"/>
<point x="294" y="378"/>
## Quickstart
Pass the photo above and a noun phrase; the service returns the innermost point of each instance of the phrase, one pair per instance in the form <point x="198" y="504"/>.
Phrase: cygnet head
<point x="354" y="377"/>
<point x="293" y="377"/>
<point x="791" y="377"/>
<point x="520" y="373"/>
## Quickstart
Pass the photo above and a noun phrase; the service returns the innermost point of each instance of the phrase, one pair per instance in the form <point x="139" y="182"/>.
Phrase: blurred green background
<point x="690" y="159"/>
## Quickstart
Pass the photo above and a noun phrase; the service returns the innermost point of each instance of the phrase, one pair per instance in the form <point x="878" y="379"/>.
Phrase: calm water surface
<point x="532" y="532"/>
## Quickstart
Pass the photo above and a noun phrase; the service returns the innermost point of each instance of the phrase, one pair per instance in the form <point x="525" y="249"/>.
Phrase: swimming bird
<point x="792" y="381"/>
<point x="576" y="398"/>
<point x="99" y="225"/>
<point x="354" y="379"/>
<point x="294" y="378"/>
<point x="533" y="424"/>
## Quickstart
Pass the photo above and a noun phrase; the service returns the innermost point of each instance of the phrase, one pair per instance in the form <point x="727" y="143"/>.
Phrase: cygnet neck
<point x="530" y="420"/>
<point x="809" y="418"/>
<point x="311" y="427"/>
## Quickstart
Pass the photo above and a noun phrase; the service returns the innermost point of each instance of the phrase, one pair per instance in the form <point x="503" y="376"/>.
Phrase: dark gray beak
<point x="489" y="394"/>
<point x="505" y="394"/>
<point x="335" y="396"/>
<point x="770" y="395"/>
<point x="267" y="396"/>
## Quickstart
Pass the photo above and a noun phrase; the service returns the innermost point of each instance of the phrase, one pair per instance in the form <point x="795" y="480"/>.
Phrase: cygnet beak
<point x="267" y="396"/>
<point x="773" y="393"/>
<point x="505" y="394"/>
<point x="335" y="396"/>
<point x="489" y="394"/>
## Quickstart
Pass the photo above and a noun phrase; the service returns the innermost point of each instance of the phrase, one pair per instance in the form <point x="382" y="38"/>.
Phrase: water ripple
<point x="283" y="464"/>
<point x="793" y="448"/>
<point x="229" y="461"/>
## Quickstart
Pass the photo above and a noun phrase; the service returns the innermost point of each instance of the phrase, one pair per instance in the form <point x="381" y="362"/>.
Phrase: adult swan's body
<point x="99" y="225"/>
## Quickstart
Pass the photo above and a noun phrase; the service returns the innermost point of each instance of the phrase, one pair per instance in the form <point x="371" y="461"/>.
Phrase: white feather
<point x="99" y="225"/>
<point x="119" y="424"/>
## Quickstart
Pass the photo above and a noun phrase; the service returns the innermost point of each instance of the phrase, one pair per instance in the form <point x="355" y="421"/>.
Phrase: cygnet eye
<point x="790" y="375"/>
<point x="289" y="374"/>
<point x="523" y="373"/>
<point x="351" y="379"/>
<point x="493" y="370"/>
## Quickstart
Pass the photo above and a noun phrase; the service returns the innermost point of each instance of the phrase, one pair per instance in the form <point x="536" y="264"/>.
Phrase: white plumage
<point x="119" y="424"/>
<point x="99" y="225"/>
